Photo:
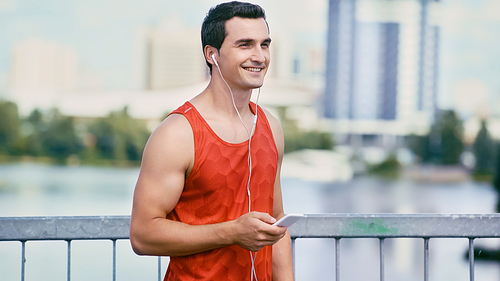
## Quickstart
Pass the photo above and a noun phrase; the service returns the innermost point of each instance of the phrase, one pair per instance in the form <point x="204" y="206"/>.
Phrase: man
<point x="194" y="200"/>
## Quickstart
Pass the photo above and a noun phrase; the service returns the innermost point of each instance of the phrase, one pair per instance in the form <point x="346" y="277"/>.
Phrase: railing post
<point x="337" y="259"/>
<point x="382" y="258"/>
<point x="159" y="268"/>
<point x="293" y="255"/>
<point x="68" y="264"/>
<point x="426" y="259"/>
<point x="471" y="258"/>
<point x="114" y="259"/>
<point x="23" y="259"/>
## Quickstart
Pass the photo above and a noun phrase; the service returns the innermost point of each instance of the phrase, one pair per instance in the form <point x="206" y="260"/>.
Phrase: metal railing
<point x="334" y="226"/>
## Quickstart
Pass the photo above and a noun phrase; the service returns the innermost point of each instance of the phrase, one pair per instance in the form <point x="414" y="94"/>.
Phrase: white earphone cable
<point x="253" y="273"/>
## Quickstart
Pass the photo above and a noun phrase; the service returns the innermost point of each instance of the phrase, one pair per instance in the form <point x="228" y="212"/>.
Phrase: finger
<point x="269" y="242"/>
<point x="271" y="238"/>
<point x="265" y="217"/>
<point x="276" y="230"/>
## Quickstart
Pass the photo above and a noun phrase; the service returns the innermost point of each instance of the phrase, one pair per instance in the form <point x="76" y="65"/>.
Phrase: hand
<point x="254" y="230"/>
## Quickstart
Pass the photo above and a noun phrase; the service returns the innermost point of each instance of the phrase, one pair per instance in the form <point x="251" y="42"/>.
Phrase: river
<point x="40" y="190"/>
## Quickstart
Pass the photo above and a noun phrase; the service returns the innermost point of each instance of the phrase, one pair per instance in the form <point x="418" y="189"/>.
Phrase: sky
<point x="103" y="32"/>
<point x="470" y="66"/>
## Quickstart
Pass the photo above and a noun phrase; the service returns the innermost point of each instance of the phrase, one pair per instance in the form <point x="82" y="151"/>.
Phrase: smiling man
<point x="209" y="187"/>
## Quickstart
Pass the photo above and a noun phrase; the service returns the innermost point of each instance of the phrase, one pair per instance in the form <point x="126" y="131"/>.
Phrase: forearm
<point x="163" y="237"/>
<point x="282" y="260"/>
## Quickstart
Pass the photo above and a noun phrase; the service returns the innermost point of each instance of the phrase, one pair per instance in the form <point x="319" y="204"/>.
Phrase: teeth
<point x="253" y="69"/>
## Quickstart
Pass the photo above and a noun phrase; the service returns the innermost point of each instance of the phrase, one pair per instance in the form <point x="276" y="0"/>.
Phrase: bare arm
<point x="167" y="160"/>
<point x="282" y="251"/>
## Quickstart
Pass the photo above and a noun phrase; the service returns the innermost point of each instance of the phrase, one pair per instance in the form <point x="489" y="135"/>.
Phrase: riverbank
<point x="56" y="190"/>
<point x="71" y="161"/>
<point x="436" y="174"/>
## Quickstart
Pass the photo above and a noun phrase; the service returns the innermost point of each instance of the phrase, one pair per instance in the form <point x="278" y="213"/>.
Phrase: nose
<point x="259" y="55"/>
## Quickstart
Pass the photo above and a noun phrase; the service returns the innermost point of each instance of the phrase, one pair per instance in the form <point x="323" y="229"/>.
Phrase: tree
<point x="35" y="127"/>
<point x="420" y="146"/>
<point x="451" y="137"/>
<point x="496" y="176"/>
<point x="60" y="139"/>
<point x="297" y="139"/>
<point x="132" y="136"/>
<point x="10" y="125"/>
<point x="119" y="136"/>
<point x="443" y="144"/>
<point x="484" y="151"/>
<point x="103" y="131"/>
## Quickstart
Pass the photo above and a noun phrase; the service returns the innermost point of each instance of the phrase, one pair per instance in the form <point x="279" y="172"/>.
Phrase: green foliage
<point x="484" y="151"/>
<point x="103" y="131"/>
<point x="496" y="172"/>
<point x="34" y="127"/>
<point x="389" y="168"/>
<point x="117" y="138"/>
<point x="308" y="140"/>
<point x="419" y="145"/>
<point x="9" y="127"/>
<point x="60" y="140"/>
<point x="443" y="144"/>
<point x="295" y="139"/>
<point x="451" y="137"/>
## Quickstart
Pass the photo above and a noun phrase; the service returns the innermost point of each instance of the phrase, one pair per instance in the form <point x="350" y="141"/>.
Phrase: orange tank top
<point x="216" y="191"/>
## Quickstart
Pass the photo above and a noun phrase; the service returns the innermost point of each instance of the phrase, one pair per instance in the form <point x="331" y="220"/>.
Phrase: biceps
<point x="157" y="195"/>
<point x="277" y="200"/>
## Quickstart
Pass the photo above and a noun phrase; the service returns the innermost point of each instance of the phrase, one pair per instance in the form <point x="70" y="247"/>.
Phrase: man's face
<point x="244" y="54"/>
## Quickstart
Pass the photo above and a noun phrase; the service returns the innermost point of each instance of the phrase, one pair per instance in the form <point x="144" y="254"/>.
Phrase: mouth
<point x="253" y="69"/>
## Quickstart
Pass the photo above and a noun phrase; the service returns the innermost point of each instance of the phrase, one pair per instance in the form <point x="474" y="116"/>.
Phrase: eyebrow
<point x="248" y="40"/>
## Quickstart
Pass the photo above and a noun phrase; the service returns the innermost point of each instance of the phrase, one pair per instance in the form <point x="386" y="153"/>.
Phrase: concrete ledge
<point x="311" y="226"/>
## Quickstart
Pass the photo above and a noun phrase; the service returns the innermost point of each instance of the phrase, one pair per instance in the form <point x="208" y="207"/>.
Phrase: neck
<point x="222" y="96"/>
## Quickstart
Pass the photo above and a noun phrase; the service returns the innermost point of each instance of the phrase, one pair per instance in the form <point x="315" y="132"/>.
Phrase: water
<point x="404" y="257"/>
<point x="38" y="190"/>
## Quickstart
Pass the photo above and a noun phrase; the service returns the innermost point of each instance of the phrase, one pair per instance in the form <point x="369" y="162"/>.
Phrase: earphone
<point x="250" y="133"/>
<point x="215" y="61"/>
<point x="256" y="102"/>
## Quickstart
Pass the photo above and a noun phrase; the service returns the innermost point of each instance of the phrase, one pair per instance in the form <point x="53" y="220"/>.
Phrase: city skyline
<point x="381" y="62"/>
<point x="103" y="34"/>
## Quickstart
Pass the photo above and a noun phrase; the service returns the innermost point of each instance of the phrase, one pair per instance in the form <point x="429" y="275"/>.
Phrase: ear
<point x="208" y="52"/>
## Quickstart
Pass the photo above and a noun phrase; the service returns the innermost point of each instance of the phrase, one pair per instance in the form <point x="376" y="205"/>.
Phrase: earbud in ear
<point x="215" y="61"/>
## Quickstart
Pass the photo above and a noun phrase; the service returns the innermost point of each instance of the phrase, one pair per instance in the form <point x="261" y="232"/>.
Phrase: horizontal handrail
<point x="64" y="228"/>
<point x="311" y="226"/>
<point x="397" y="225"/>
<point x="337" y="226"/>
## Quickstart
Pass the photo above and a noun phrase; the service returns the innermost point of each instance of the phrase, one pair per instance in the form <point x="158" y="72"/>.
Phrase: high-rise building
<point x="171" y="57"/>
<point x="428" y="57"/>
<point x="42" y="65"/>
<point x="381" y="70"/>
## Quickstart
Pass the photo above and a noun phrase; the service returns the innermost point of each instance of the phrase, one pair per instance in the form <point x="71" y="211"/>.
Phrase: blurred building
<point x="297" y="60"/>
<point x="42" y="65"/>
<point x="170" y="56"/>
<point x="43" y="72"/>
<point x="381" y="72"/>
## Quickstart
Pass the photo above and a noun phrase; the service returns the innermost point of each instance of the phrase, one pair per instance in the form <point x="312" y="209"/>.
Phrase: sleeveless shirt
<point x="216" y="191"/>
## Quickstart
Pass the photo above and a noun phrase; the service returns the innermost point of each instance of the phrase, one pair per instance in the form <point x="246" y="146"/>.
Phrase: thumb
<point x="265" y="217"/>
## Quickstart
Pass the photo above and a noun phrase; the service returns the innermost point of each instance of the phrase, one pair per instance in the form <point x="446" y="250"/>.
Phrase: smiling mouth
<point x="253" y="69"/>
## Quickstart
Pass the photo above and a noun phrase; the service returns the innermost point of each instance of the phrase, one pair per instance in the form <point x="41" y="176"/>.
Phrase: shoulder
<point x="273" y="121"/>
<point x="172" y="140"/>
<point x="276" y="130"/>
<point x="175" y="126"/>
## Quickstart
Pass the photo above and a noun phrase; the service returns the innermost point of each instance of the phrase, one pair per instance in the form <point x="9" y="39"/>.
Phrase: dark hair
<point x="213" y="29"/>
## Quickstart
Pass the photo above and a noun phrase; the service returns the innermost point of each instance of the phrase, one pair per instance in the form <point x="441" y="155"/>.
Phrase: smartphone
<point x="288" y="220"/>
